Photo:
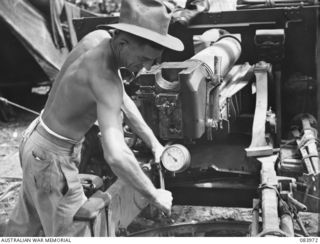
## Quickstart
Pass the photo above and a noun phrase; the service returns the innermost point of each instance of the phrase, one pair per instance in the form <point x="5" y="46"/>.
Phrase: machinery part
<point x="188" y="82"/>
<point x="234" y="80"/>
<point x="272" y="232"/>
<point x="181" y="100"/>
<point x="277" y="206"/>
<point x="225" y="228"/>
<point x="156" y="212"/>
<point x="90" y="183"/>
<point x="156" y="169"/>
<point x="308" y="192"/>
<point x="289" y="164"/>
<point x="305" y="133"/>
<point x="248" y="4"/>
<point x="93" y="211"/>
<point x="269" y="197"/>
<point x="270" y="46"/>
<point x="261" y="72"/>
<point x="254" y="230"/>
<point x="301" y="225"/>
<point x="91" y="208"/>
<point x="212" y="99"/>
<point x="227" y="48"/>
<point x="129" y="137"/>
<point x="286" y="187"/>
<point x="286" y="222"/>
<point x="176" y="158"/>
<point x="161" y="178"/>
<point x="169" y="109"/>
<point x="298" y="205"/>
<point x="288" y="206"/>
<point x="277" y="81"/>
<point x="308" y="146"/>
<point x="299" y="158"/>
<point x="216" y="190"/>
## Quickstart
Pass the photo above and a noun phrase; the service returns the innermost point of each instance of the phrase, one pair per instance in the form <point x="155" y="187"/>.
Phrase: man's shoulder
<point x="98" y="72"/>
<point x="94" y="38"/>
<point x="107" y="89"/>
<point x="105" y="78"/>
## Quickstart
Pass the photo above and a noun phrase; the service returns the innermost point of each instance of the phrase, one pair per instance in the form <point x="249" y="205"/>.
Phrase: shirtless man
<point x="88" y="88"/>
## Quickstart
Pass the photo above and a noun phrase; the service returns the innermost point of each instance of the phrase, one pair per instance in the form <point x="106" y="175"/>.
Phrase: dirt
<point x="205" y="214"/>
<point x="11" y="176"/>
<point x="10" y="170"/>
<point x="184" y="215"/>
<point x="10" y="134"/>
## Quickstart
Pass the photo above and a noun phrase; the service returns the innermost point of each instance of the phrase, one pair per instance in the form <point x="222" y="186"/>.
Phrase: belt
<point x="60" y="142"/>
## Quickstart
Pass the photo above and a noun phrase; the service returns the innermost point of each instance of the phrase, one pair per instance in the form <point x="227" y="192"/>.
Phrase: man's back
<point x="71" y="109"/>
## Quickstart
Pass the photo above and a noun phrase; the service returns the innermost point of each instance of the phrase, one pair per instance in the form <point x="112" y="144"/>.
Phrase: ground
<point x="11" y="175"/>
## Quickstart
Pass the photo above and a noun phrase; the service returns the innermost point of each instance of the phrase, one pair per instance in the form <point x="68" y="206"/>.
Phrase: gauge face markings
<point x="175" y="158"/>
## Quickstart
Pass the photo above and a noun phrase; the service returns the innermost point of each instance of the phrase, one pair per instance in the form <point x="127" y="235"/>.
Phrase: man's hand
<point x="157" y="152"/>
<point x="163" y="201"/>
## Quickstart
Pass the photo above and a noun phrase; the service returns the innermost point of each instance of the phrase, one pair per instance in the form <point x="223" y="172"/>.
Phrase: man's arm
<point x="120" y="158"/>
<point x="136" y="122"/>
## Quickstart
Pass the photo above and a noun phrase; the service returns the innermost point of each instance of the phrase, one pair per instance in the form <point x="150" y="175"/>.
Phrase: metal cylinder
<point x="290" y="166"/>
<point x="269" y="209"/>
<point x="300" y="206"/>
<point x="228" y="49"/>
<point x="269" y="198"/>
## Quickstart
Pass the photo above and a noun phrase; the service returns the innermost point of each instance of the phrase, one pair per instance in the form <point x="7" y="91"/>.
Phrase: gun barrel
<point x="227" y="49"/>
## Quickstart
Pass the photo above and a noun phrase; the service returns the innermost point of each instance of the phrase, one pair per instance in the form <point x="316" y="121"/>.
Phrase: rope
<point x="6" y="101"/>
<point x="267" y="186"/>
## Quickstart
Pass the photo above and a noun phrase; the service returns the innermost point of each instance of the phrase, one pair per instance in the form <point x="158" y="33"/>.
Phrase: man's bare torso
<point x="71" y="107"/>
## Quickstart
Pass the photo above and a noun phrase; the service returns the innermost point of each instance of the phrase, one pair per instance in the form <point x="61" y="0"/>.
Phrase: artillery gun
<point x="238" y="119"/>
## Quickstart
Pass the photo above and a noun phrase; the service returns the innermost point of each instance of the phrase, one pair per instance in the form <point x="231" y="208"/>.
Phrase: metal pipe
<point x="300" y="206"/>
<point x="310" y="134"/>
<point x="278" y="84"/>
<point x="269" y="209"/>
<point x="269" y="198"/>
<point x="301" y="225"/>
<point x="228" y="49"/>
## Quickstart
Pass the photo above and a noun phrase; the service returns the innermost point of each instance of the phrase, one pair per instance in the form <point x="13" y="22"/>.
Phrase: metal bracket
<point x="259" y="145"/>
<point x="293" y="15"/>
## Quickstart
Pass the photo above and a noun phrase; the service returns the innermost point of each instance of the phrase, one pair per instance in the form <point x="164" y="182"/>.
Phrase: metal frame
<point x="302" y="40"/>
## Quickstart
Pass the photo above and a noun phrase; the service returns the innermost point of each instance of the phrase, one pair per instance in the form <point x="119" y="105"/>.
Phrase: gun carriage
<point x="239" y="118"/>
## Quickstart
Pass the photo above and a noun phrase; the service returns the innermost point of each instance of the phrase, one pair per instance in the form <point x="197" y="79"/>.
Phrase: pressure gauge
<point x="176" y="158"/>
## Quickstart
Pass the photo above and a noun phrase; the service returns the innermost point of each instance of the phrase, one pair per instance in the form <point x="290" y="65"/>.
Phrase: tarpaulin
<point x="31" y="28"/>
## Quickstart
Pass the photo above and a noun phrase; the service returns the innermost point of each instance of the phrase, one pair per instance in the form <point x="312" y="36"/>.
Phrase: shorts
<point x="51" y="192"/>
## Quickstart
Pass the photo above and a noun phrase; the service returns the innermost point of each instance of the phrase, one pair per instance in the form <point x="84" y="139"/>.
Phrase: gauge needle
<point x="175" y="159"/>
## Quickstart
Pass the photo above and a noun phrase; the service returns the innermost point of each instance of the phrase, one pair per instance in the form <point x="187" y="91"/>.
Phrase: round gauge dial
<point x="176" y="158"/>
